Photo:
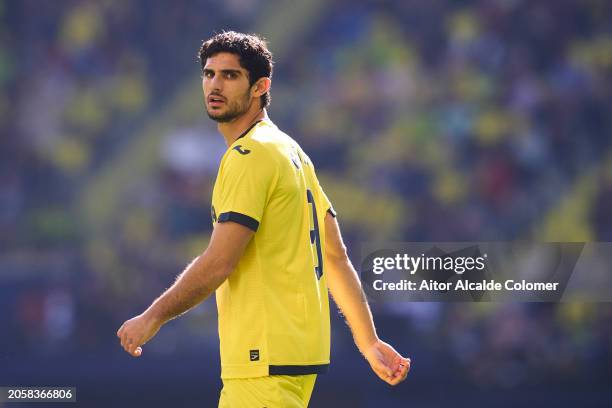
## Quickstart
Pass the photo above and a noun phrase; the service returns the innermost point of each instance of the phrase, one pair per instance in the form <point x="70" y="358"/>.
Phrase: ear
<point x="261" y="87"/>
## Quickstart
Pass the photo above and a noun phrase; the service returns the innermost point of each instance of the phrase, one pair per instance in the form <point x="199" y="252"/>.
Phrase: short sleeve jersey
<point x="273" y="308"/>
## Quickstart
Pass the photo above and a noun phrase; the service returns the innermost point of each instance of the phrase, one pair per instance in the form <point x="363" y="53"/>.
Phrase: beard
<point x="234" y="110"/>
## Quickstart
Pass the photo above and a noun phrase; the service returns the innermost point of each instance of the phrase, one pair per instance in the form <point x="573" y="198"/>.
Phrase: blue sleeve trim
<point x="239" y="218"/>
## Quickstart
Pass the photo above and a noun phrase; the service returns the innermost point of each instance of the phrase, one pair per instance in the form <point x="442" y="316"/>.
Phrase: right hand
<point x="386" y="362"/>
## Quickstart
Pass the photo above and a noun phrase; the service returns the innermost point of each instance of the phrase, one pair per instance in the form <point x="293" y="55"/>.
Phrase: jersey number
<point x="315" y="237"/>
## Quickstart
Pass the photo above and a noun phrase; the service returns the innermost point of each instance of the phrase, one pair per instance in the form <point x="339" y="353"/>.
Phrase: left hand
<point x="136" y="332"/>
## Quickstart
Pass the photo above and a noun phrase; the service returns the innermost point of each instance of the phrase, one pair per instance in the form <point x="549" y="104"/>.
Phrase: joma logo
<point x="239" y="149"/>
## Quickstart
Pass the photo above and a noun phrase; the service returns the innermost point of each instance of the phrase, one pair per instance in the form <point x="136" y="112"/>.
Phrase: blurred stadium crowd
<point x="427" y="120"/>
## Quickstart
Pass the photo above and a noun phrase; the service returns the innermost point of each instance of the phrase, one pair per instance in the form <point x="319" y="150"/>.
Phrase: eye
<point x="208" y="74"/>
<point x="230" y="75"/>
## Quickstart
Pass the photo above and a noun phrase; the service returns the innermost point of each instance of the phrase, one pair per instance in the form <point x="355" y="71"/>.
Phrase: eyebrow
<point x="224" y="71"/>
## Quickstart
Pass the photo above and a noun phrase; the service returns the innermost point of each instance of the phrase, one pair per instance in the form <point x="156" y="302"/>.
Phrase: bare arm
<point x="202" y="277"/>
<point x="346" y="291"/>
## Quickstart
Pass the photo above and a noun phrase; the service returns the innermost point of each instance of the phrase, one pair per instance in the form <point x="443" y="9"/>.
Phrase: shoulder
<point x="281" y="148"/>
<point x="258" y="151"/>
<point x="270" y="138"/>
<point x="265" y="141"/>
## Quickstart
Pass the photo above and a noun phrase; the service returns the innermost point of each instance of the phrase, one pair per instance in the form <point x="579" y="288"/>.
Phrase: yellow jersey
<point x="274" y="307"/>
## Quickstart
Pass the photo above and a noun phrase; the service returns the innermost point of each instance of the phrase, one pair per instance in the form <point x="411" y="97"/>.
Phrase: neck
<point x="232" y="130"/>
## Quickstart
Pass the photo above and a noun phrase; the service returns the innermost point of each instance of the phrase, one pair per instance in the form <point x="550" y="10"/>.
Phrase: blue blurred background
<point x="427" y="120"/>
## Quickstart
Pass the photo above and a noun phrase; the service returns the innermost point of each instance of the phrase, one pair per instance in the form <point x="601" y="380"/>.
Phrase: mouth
<point x="215" y="101"/>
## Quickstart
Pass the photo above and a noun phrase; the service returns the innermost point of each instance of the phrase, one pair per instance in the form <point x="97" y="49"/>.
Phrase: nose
<point x="216" y="83"/>
<point x="213" y="84"/>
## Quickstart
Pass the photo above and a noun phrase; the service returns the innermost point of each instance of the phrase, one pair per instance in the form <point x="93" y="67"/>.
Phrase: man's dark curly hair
<point x="252" y="51"/>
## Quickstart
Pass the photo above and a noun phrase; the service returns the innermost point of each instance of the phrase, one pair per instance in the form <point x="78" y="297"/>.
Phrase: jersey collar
<point x="249" y="129"/>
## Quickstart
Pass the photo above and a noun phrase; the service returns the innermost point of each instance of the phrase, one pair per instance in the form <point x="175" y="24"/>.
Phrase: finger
<point x="132" y="345"/>
<point x="387" y="368"/>
<point x="395" y="381"/>
<point x="403" y="373"/>
<point x="398" y="361"/>
<point x="405" y="365"/>
<point x="121" y="330"/>
<point x="399" y="377"/>
<point x="124" y="339"/>
<point x="384" y="374"/>
<point x="381" y="369"/>
<point x="384" y="377"/>
<point x="135" y="352"/>
<point x="390" y="380"/>
<point x="401" y="362"/>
